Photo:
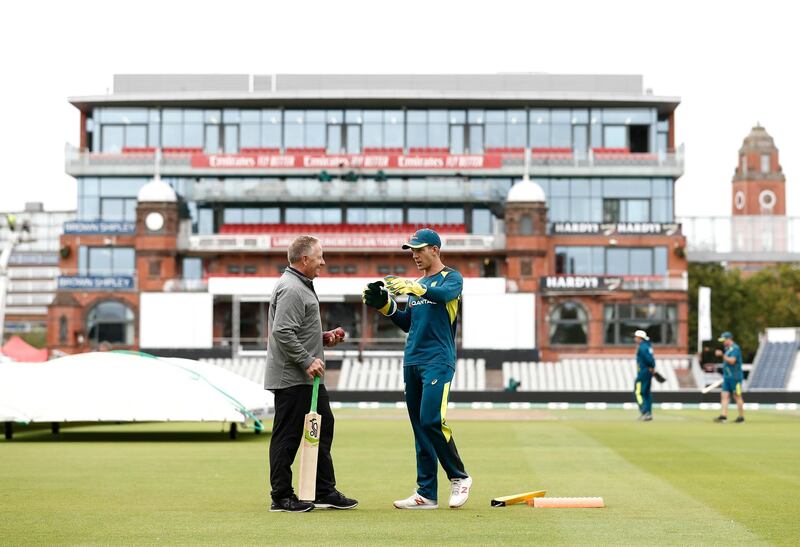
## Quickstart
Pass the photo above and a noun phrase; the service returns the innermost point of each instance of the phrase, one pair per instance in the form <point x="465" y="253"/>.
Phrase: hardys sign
<point x="615" y="228"/>
<point x="581" y="283"/>
<point x="347" y="161"/>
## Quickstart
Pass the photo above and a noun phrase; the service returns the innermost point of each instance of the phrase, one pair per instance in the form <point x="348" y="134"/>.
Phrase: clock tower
<point x="157" y="224"/>
<point x="758" y="183"/>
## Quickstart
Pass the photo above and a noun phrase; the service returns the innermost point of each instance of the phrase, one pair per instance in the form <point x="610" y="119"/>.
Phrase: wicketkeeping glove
<point x="398" y="285"/>
<point x="660" y="379"/>
<point x="375" y="296"/>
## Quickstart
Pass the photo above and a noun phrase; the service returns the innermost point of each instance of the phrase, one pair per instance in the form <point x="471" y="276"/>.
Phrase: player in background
<point x="646" y="366"/>
<point x="429" y="363"/>
<point x="732" y="377"/>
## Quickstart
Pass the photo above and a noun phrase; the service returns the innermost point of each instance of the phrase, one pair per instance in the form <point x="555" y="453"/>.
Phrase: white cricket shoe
<point x="459" y="492"/>
<point x="415" y="501"/>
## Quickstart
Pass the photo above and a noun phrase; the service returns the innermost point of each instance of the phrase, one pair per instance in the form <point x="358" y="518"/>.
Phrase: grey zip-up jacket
<point x="295" y="331"/>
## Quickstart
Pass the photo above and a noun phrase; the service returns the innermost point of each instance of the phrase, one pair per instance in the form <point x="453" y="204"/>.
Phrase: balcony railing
<point x="508" y="161"/>
<point x="742" y="237"/>
<point x="345" y="242"/>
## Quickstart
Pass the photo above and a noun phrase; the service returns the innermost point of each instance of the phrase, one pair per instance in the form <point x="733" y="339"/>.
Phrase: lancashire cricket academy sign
<point x="579" y="283"/>
<point x="617" y="228"/>
<point x="347" y="161"/>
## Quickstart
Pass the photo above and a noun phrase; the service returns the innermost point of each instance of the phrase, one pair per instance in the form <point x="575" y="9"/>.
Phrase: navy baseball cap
<point x="422" y="238"/>
<point x="725" y="336"/>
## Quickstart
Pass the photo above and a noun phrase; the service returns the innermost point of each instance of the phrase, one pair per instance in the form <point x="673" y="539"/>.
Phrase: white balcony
<point x="502" y="163"/>
<point x="334" y="242"/>
<point x="742" y="238"/>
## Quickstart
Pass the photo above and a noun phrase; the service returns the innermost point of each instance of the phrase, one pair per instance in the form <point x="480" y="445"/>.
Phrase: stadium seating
<point x="373" y="229"/>
<point x="773" y="365"/>
<point x="386" y="374"/>
<point x="252" y="368"/>
<point x="606" y="374"/>
<point x="246" y="150"/>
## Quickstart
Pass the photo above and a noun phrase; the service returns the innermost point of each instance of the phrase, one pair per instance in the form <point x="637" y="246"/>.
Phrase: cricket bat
<point x="517" y="498"/>
<point x="309" y="450"/>
<point x="709" y="387"/>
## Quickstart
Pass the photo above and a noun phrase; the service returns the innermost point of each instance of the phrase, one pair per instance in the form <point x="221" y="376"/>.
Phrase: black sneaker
<point x="739" y="420"/>
<point x="721" y="419"/>
<point x="290" y="505"/>
<point x="335" y="500"/>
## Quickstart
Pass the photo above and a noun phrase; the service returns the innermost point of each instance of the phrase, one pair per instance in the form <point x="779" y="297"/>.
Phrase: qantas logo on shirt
<point x="419" y="302"/>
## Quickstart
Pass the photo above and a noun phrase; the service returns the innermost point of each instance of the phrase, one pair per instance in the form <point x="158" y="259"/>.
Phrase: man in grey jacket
<point x="294" y="358"/>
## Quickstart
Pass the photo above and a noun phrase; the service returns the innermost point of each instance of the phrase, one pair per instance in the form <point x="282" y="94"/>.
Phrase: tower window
<point x="765" y="163"/>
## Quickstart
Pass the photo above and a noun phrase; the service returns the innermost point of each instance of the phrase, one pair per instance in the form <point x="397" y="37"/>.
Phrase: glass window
<point x="294" y="215"/>
<point x="617" y="261"/>
<point x="315" y="135"/>
<point x="251" y="216"/>
<point x="525" y="225"/>
<point x="539" y="135"/>
<point x="393" y="130"/>
<point x="641" y="262"/>
<point x="193" y="136"/>
<point x="205" y="221"/>
<point x="271" y="128"/>
<point x="417" y="135"/>
<point x="113" y="138"/>
<point x="561" y="136"/>
<point x="437" y="135"/>
<point x="765" y="163"/>
<point x="173" y="135"/>
<point x="192" y="268"/>
<point x="569" y="324"/>
<point x="353" y="139"/>
<point x="110" y="322"/>
<point x="495" y="135"/>
<point x="356" y="215"/>
<point x="294" y="134"/>
<point x="615" y="136"/>
<point x="250" y="134"/>
<point x="271" y="215"/>
<point x="231" y="139"/>
<point x="331" y="215"/>
<point x="135" y="136"/>
<point x="232" y="215"/>
<point x="373" y="135"/>
<point x="658" y="320"/>
<point x="660" y="263"/>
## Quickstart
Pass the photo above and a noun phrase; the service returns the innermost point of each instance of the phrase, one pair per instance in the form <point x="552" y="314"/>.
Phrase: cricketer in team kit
<point x="732" y="377"/>
<point x="429" y="362"/>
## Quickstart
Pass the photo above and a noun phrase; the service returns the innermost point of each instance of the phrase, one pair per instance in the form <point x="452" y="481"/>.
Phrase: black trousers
<point x="291" y="406"/>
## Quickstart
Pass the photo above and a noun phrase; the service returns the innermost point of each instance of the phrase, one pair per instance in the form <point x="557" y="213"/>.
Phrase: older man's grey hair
<point x="300" y="247"/>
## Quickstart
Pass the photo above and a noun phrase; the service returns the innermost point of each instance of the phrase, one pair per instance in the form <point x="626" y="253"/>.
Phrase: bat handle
<point x="314" y="394"/>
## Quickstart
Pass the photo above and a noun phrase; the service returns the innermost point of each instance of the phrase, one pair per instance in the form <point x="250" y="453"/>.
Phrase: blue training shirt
<point x="645" y="358"/>
<point x="735" y="370"/>
<point x="430" y="320"/>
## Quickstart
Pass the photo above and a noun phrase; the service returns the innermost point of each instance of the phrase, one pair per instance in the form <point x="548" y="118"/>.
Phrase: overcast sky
<point x="732" y="64"/>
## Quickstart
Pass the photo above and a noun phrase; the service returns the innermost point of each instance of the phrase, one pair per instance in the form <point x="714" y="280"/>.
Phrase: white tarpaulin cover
<point x="127" y="387"/>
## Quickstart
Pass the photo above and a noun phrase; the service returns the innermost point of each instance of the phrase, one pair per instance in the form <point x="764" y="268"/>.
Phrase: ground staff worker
<point x="294" y="358"/>
<point x="428" y="365"/>
<point x="646" y="364"/>
<point x="732" y="377"/>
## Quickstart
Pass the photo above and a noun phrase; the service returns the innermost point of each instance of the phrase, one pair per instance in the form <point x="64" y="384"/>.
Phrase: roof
<point x="468" y="90"/>
<point x="526" y="191"/>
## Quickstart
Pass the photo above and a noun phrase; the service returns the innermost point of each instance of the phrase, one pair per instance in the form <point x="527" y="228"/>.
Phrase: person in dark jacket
<point x="294" y="358"/>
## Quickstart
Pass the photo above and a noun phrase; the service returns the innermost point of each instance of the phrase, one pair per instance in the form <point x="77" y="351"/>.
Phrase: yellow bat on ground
<point x="517" y="498"/>
<point x="309" y="450"/>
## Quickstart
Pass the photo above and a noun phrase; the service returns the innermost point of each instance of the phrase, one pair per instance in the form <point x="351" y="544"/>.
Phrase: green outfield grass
<point x="677" y="480"/>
